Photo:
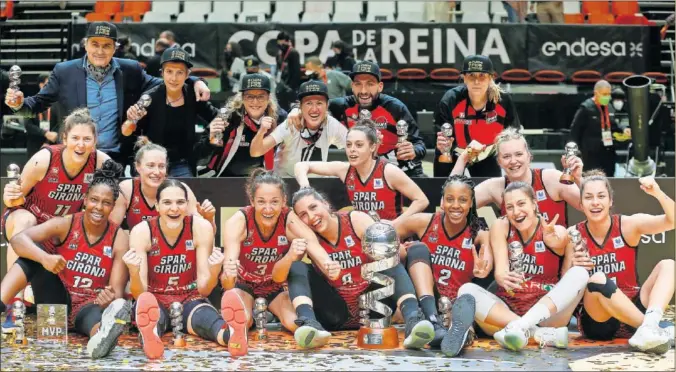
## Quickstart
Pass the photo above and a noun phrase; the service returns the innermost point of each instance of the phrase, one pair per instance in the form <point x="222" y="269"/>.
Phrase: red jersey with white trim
<point x="374" y="194"/>
<point x="451" y="256"/>
<point x="59" y="194"/>
<point x="541" y="268"/>
<point x="257" y="255"/>
<point x="548" y="207"/>
<point x="138" y="210"/>
<point x="348" y="253"/>
<point x="172" y="269"/>
<point x="614" y="257"/>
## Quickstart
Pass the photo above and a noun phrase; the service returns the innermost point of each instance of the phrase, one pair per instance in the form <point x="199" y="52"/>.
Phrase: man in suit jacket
<point x="107" y="86"/>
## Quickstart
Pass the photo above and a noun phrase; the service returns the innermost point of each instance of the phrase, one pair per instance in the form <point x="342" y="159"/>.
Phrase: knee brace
<point x="483" y="299"/>
<point x="299" y="281"/>
<point x="206" y="322"/>
<point x="418" y="252"/>
<point x="402" y="282"/>
<point x="569" y="287"/>
<point x="606" y="289"/>
<point x="87" y="318"/>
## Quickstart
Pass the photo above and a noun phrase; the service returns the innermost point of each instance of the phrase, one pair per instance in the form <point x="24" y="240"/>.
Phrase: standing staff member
<point x="478" y="110"/>
<point x="105" y="85"/>
<point x="173" y="113"/>
<point x="593" y="131"/>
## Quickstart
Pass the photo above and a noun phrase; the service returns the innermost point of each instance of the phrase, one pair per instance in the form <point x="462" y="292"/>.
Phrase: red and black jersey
<point x="172" y="269"/>
<point x="614" y="257"/>
<point x="348" y="252"/>
<point x="257" y="255"/>
<point x="138" y="209"/>
<point x="451" y="256"/>
<point x="375" y="194"/>
<point x="59" y="194"/>
<point x="547" y="206"/>
<point x="386" y="111"/>
<point x="541" y="267"/>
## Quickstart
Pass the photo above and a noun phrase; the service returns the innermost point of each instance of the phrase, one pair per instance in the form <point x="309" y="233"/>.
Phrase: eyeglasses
<point x="252" y="98"/>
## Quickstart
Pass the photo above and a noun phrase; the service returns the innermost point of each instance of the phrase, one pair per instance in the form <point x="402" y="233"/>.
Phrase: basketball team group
<point x="142" y="251"/>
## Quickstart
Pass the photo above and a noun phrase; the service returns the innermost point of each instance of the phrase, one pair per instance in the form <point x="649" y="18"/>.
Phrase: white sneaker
<point x="558" y="337"/>
<point x="651" y="339"/>
<point x="512" y="337"/>
<point x="113" y="321"/>
<point x="670" y="333"/>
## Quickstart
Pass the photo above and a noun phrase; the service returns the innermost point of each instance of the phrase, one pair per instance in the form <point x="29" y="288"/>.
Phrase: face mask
<point x="618" y="105"/>
<point x="282" y="46"/>
<point x="313" y="76"/>
<point x="604" y="100"/>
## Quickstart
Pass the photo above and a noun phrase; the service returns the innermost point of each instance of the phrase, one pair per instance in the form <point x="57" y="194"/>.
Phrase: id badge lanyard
<point x="606" y="134"/>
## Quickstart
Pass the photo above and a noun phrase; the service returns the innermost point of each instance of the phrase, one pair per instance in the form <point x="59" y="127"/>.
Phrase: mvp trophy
<point x="402" y="131"/>
<point x="381" y="244"/>
<point x="216" y="139"/>
<point x="261" y="317"/>
<point x="570" y="151"/>
<point x="446" y="131"/>
<point x="14" y="81"/>
<point x="129" y="126"/>
<point x="176" y="316"/>
<point x="52" y="323"/>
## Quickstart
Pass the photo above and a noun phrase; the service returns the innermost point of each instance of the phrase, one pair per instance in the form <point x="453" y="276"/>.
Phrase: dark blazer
<point x="68" y="85"/>
<point x="152" y="124"/>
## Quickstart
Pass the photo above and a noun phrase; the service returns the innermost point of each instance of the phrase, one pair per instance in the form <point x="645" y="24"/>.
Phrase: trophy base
<point x="443" y="158"/>
<point x="567" y="179"/>
<point x="179" y="342"/>
<point x="378" y="338"/>
<point x="637" y="168"/>
<point x="128" y="129"/>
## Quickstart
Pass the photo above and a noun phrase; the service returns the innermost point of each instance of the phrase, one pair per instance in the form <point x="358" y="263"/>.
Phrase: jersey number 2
<point x="443" y="278"/>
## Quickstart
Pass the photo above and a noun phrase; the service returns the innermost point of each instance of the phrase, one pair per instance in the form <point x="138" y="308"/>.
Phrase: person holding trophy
<point x="78" y="261"/>
<point x="373" y="184"/>
<point x="527" y="251"/>
<point x="333" y="293"/>
<point x="615" y="304"/>
<point x="454" y="248"/>
<point x="553" y="188"/>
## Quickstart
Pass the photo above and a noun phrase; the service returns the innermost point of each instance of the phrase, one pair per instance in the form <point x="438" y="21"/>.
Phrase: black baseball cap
<point x="477" y="63"/>
<point x="254" y="82"/>
<point x="313" y="88"/>
<point x="251" y="62"/>
<point x="365" y="67"/>
<point x="102" y="29"/>
<point x="176" y="55"/>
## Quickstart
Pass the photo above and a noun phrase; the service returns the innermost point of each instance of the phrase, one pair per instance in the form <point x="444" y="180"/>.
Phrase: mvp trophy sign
<point x="381" y="244"/>
<point x="53" y="323"/>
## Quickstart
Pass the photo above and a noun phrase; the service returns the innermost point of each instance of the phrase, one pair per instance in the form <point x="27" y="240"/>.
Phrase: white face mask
<point x="618" y="105"/>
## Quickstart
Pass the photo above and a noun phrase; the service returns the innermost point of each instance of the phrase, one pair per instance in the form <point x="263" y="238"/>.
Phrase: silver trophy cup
<point x="516" y="257"/>
<point x="216" y="139"/>
<point x="261" y="317"/>
<point x="445" y="306"/>
<point x="19" y="314"/>
<point x="578" y="244"/>
<point x="402" y="131"/>
<point x="571" y="150"/>
<point x="176" y="316"/>
<point x="14" y="81"/>
<point x="143" y="103"/>
<point x="364" y="114"/>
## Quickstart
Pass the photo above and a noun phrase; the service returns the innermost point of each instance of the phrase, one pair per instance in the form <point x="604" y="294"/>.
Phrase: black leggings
<point x="206" y="321"/>
<point x="330" y="308"/>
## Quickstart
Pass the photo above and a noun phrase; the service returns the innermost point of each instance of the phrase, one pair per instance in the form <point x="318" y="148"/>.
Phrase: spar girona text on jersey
<point x="138" y="210"/>
<point x="451" y="256"/>
<point x="548" y="208"/>
<point x="257" y="256"/>
<point x="375" y="194"/>
<point x="57" y="193"/>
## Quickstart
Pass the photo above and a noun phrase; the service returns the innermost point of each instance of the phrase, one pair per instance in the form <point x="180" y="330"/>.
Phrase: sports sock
<point x="306" y="311"/>
<point x="428" y="306"/>
<point x="409" y="308"/>
<point x="652" y="317"/>
<point x="534" y="316"/>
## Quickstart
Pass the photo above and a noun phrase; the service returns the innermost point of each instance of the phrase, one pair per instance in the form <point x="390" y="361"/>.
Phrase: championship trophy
<point x="216" y="139"/>
<point x="19" y="313"/>
<point x="567" y="178"/>
<point x="638" y="92"/>
<point x="14" y="81"/>
<point x="176" y="316"/>
<point x="364" y="114"/>
<point x="381" y="244"/>
<point x="445" y="306"/>
<point x="14" y="175"/>
<point x="578" y="244"/>
<point x="446" y="131"/>
<point x="374" y="215"/>
<point x="515" y="259"/>
<point x="261" y="317"/>
<point x="129" y="126"/>
<point x="402" y="131"/>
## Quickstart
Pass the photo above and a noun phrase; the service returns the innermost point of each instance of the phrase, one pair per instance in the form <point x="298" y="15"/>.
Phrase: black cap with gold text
<point x="313" y="88"/>
<point x="477" y="63"/>
<point x="365" y="67"/>
<point x="176" y="55"/>
<point x="102" y="29"/>
<point x="255" y="82"/>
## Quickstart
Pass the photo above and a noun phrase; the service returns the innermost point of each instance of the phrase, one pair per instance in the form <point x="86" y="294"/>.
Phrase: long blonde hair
<point x="494" y="91"/>
<point x="236" y="104"/>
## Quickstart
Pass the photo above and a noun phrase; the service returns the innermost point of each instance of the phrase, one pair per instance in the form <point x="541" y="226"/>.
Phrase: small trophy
<point x="374" y="215"/>
<point x="576" y="239"/>
<point x="176" y="315"/>
<point x="445" y="306"/>
<point x="446" y="131"/>
<point x="129" y="126"/>
<point x="515" y="259"/>
<point x="364" y="114"/>
<point x="14" y="175"/>
<point x="52" y="323"/>
<point x="570" y="151"/>
<point x="261" y="317"/>
<point x="402" y="131"/>
<point x="216" y="139"/>
<point x="19" y="314"/>
<point x="381" y="244"/>
<point x="14" y="81"/>
<point x="51" y="319"/>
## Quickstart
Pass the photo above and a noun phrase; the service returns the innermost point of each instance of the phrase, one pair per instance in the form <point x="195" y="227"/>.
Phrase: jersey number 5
<point x="347" y="279"/>
<point x="443" y="278"/>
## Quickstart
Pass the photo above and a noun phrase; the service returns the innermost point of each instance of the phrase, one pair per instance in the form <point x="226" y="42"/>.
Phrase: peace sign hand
<point x="549" y="229"/>
<point x="481" y="268"/>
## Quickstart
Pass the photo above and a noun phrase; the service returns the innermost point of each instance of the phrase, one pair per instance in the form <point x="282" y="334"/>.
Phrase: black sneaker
<point x="439" y="331"/>
<point x="419" y="332"/>
<point x="310" y="333"/>
<point x="459" y="335"/>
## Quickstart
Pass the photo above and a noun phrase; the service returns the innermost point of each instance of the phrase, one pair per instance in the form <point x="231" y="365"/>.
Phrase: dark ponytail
<point x="108" y="175"/>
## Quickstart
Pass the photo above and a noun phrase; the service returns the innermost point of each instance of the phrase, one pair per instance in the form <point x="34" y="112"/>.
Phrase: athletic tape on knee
<point x="569" y="287"/>
<point x="418" y="252"/>
<point x="206" y="322"/>
<point x="606" y="289"/>
<point x="484" y="300"/>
